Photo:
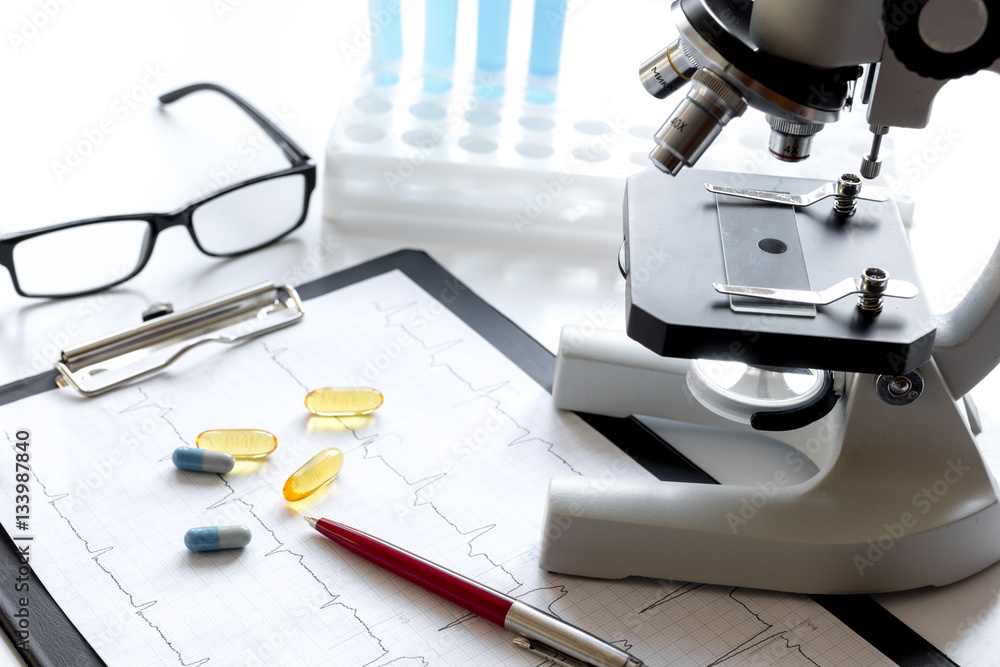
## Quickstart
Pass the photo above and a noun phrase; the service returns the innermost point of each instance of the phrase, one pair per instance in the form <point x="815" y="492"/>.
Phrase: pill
<point x="205" y="460"/>
<point x="213" y="538"/>
<point x="319" y="470"/>
<point x="343" y="401"/>
<point x="240" y="442"/>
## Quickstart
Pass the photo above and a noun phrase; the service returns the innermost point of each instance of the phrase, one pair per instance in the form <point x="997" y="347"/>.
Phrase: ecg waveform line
<point x="139" y="607"/>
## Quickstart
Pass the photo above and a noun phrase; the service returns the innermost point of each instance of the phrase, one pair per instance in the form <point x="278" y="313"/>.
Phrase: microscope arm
<point x="967" y="346"/>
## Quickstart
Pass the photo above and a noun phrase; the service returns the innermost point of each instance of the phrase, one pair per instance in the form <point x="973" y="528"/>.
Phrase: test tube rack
<point x="479" y="162"/>
<point x="455" y="163"/>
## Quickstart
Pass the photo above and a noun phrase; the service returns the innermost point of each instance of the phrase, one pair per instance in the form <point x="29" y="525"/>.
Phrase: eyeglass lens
<point x="80" y="258"/>
<point x="251" y="216"/>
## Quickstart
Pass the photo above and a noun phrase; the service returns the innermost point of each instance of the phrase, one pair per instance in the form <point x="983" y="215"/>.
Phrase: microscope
<point x="791" y="308"/>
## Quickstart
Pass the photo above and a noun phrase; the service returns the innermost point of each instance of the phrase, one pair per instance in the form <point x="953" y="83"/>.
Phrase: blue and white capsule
<point x="204" y="460"/>
<point x="215" y="538"/>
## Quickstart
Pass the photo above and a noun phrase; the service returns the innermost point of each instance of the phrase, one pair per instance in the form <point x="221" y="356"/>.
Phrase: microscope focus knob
<point x="943" y="39"/>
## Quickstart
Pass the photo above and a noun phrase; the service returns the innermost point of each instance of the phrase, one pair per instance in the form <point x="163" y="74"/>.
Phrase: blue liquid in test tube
<point x="491" y="48"/>
<point x="546" y="37"/>
<point x="491" y="35"/>
<point x="439" y="43"/>
<point x="387" y="39"/>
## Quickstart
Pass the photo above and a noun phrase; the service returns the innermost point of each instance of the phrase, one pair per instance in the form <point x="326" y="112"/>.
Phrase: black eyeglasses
<point x="87" y="256"/>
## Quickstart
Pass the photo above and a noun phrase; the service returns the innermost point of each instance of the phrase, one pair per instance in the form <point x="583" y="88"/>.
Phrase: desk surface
<point x="64" y="73"/>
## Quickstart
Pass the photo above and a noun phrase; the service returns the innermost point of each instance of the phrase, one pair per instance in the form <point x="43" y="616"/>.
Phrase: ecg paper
<point x="454" y="466"/>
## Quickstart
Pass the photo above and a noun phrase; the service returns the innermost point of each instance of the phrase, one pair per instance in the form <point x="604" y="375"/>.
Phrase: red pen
<point x="539" y="632"/>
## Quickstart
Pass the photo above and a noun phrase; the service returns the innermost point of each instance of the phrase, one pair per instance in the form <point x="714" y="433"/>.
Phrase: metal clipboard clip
<point x="105" y="363"/>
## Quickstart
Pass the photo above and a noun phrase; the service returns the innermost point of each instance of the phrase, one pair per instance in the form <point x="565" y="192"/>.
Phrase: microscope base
<point x="902" y="498"/>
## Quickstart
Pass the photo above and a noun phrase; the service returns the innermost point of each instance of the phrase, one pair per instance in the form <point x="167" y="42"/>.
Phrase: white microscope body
<point x="902" y="498"/>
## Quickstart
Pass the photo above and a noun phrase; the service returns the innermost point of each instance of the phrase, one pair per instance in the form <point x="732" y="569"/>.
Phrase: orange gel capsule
<point x="240" y="442"/>
<point x="343" y="401"/>
<point x="318" y="471"/>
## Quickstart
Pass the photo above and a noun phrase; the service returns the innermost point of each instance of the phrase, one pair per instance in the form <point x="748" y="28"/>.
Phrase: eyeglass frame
<point x="300" y="161"/>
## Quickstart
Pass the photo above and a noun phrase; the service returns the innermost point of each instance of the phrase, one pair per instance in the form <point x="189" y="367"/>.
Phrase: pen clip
<point x="547" y="652"/>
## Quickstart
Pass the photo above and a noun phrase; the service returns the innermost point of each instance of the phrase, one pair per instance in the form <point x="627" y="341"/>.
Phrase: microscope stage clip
<point x="827" y="190"/>
<point x="871" y="286"/>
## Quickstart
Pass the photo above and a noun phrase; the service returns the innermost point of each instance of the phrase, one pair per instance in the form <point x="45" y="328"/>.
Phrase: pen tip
<point x="312" y="520"/>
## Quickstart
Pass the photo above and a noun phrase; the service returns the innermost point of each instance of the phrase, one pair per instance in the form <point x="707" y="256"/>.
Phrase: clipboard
<point x="55" y="641"/>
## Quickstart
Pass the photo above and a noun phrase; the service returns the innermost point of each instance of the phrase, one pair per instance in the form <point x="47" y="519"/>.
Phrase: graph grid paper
<point x="454" y="466"/>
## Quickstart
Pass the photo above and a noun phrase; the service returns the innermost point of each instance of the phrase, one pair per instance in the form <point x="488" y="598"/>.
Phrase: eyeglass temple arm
<point x="291" y="150"/>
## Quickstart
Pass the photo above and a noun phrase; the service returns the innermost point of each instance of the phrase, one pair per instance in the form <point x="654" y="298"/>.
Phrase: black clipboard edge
<point x="876" y="624"/>
<point x="52" y="638"/>
<point x="861" y="613"/>
<point x="35" y="384"/>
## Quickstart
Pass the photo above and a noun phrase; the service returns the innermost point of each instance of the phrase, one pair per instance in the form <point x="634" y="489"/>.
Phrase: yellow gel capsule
<point x="319" y="470"/>
<point x="343" y="401"/>
<point x="240" y="442"/>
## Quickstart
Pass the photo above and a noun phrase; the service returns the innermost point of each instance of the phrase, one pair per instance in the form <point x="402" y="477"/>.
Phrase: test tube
<point x="546" y="37"/>
<point x="491" y="35"/>
<point x="491" y="48"/>
<point x="439" y="44"/>
<point x="387" y="39"/>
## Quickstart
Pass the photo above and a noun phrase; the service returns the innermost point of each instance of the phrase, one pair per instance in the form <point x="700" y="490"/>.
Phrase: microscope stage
<point x="674" y="252"/>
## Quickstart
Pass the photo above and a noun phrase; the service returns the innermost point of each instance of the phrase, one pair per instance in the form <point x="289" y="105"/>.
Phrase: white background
<point x="65" y="66"/>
